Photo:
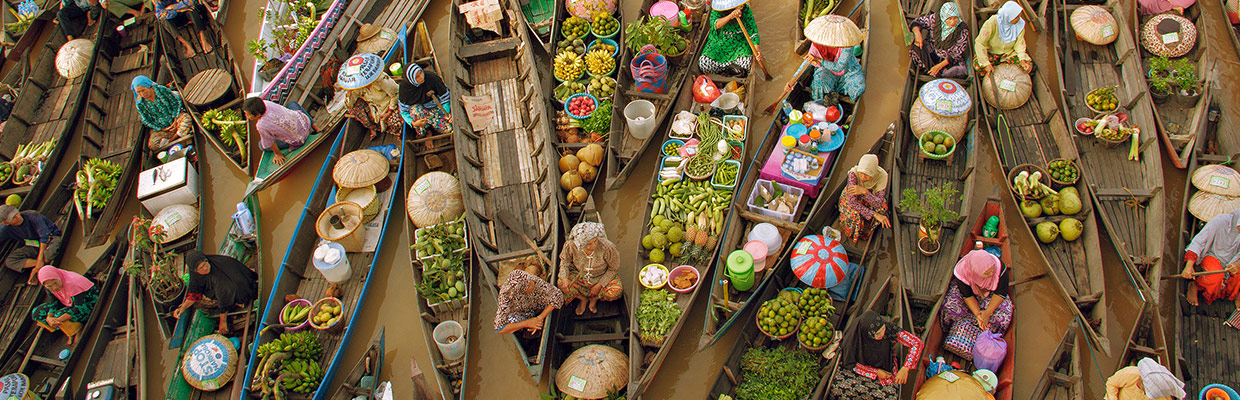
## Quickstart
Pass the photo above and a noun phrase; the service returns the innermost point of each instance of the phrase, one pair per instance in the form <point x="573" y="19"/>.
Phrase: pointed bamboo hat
<point x="725" y="5"/>
<point x="1095" y="25"/>
<point x="1218" y="179"/>
<point x="374" y="39"/>
<point x="73" y="58"/>
<point x="834" y="31"/>
<point x="359" y="71"/>
<point x="360" y="168"/>
<point x="592" y="371"/>
<point x="1169" y="35"/>
<point x="177" y="221"/>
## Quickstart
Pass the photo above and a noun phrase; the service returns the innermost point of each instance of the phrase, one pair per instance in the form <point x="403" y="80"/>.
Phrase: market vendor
<point x="941" y="43"/>
<point x="73" y="12"/>
<point x="1002" y="40"/>
<point x="1216" y="248"/>
<point x="1148" y="380"/>
<point x="35" y="231"/>
<point x="525" y="301"/>
<point x="218" y="285"/>
<point x="371" y="96"/>
<point x="73" y="296"/>
<point x="726" y="50"/>
<point x="123" y="9"/>
<point x="869" y="365"/>
<point x="174" y="13"/>
<point x="865" y="199"/>
<point x="279" y="128"/>
<point x="424" y="101"/>
<point x="160" y="109"/>
<point x="1154" y="7"/>
<point x="589" y="266"/>
<point x="978" y="293"/>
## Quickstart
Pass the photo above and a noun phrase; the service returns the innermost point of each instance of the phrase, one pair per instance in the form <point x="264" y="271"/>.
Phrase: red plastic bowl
<point x="677" y="272"/>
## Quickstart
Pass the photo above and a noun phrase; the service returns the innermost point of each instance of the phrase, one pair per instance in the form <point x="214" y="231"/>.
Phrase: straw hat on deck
<point x="374" y="39"/>
<point x="360" y="168"/>
<point x="592" y="371"/>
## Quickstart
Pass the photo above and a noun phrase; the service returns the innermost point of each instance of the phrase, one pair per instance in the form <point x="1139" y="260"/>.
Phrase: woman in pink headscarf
<point x="73" y="296"/>
<point x="1153" y="7"/>
<point x="978" y="293"/>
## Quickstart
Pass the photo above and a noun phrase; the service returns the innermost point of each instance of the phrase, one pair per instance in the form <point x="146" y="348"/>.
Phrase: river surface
<point x="496" y="370"/>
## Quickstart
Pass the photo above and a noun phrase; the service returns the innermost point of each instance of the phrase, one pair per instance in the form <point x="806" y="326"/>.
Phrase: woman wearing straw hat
<point x="726" y="49"/>
<point x="589" y="266"/>
<point x="865" y="199"/>
<point x="424" y="101"/>
<point x="160" y="109"/>
<point x="1145" y="381"/>
<point x="940" y="43"/>
<point x="1217" y="249"/>
<point x="1002" y="40"/>
<point x="73" y="296"/>
<point x="836" y="41"/>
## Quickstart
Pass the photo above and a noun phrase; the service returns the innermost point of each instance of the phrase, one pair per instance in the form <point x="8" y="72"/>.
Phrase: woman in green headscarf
<point x="726" y="49"/>
<point x="159" y="108"/>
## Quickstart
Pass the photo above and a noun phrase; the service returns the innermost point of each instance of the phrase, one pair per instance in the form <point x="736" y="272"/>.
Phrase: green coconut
<point x="1050" y="204"/>
<point x="13" y="200"/>
<point x="1071" y="229"/>
<point x="1069" y="201"/>
<point x="1031" y="209"/>
<point x="1047" y="232"/>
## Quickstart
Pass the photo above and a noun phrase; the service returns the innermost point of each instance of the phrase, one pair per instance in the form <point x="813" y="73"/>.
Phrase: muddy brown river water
<point x="495" y="371"/>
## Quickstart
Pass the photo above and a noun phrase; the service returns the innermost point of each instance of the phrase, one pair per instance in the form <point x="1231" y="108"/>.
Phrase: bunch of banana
<point x="301" y="375"/>
<point x="295" y="314"/>
<point x="96" y="181"/>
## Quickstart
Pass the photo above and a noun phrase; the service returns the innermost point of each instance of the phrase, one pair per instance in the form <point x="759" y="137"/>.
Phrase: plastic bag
<point x="989" y="351"/>
<point x="704" y="90"/>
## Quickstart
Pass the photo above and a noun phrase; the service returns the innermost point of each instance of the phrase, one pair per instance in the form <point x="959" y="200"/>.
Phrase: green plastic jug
<point x="740" y="270"/>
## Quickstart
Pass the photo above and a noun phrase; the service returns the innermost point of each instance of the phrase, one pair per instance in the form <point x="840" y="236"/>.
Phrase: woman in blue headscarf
<point x="1002" y="40"/>
<point x="940" y="43"/>
<point x="424" y="101"/>
<point x="160" y="109"/>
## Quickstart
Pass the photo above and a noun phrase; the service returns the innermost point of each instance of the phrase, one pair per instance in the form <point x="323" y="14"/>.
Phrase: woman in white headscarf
<point x="865" y="199"/>
<point x="1001" y="40"/>
<point x="1147" y="380"/>
<point x="588" y="267"/>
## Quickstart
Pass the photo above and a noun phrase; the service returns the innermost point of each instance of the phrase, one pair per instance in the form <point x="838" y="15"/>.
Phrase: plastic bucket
<point x="338" y="271"/>
<point x="639" y="114"/>
<point x="769" y="234"/>
<point x="758" y="250"/>
<point x="450" y="338"/>
<point x="740" y="270"/>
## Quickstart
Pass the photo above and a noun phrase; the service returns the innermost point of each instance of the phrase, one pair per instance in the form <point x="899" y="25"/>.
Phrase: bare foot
<point x="72" y="339"/>
<point x="1192" y="295"/>
<point x="593" y="303"/>
<point x="581" y="308"/>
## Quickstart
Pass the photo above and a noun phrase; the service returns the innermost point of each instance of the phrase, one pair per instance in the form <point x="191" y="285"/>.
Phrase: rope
<point x="1133" y="202"/>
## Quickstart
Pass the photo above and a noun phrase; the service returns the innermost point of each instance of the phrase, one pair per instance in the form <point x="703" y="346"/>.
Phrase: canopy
<point x="819" y="261"/>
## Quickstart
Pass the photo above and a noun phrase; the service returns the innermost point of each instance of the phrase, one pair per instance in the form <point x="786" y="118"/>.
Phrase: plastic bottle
<point x="991" y="229"/>
<point x="244" y="219"/>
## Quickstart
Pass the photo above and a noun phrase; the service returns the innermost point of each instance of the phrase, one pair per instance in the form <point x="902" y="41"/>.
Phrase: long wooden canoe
<point x="543" y="17"/>
<point x="285" y="75"/>
<point x="1127" y="193"/>
<point x="503" y="164"/>
<point x="889" y="302"/>
<point x="721" y="315"/>
<point x="1178" y="119"/>
<point x="21" y="42"/>
<point x="624" y="149"/>
<point x="1062" y="377"/>
<point x="1232" y="30"/>
<point x="116" y="354"/>
<point x="1034" y="134"/>
<point x="369" y="366"/>
<point x="1147" y="339"/>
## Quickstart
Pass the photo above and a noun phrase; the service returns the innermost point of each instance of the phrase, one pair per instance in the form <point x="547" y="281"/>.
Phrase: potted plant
<point x="292" y="23"/>
<point x="655" y="32"/>
<point x="153" y="263"/>
<point x="1185" y="77"/>
<point x="1160" y="80"/>
<point x="931" y="209"/>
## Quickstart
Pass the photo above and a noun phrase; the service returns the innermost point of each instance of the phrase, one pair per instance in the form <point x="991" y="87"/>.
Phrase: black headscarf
<point x="229" y="283"/>
<point x="412" y="93"/>
<point x="862" y="348"/>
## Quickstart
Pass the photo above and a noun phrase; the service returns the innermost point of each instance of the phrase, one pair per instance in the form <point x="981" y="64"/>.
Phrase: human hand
<point x="34" y="279"/>
<point x="983" y="323"/>
<point x="278" y="158"/>
<point x="735" y="13"/>
<point x="534" y="325"/>
<point x="419" y="123"/>
<point x="596" y="289"/>
<point x="902" y="375"/>
<point x="1187" y="273"/>
<point x="987" y="70"/>
<point x="882" y="220"/>
<point x="1026" y="65"/>
<point x="917" y="39"/>
<point x="177" y="313"/>
<point x="883" y="374"/>
<point x="1233" y="268"/>
<point x="564" y="283"/>
<point x="934" y="71"/>
<point x="53" y="321"/>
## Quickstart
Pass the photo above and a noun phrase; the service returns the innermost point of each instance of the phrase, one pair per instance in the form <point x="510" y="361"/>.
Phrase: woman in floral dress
<point x="865" y="199"/>
<point x="940" y="43"/>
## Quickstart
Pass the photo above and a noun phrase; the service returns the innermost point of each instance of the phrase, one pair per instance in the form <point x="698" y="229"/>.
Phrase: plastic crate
<point x="763" y="183"/>
<point x="744" y="132"/>
<point x="738" y="177"/>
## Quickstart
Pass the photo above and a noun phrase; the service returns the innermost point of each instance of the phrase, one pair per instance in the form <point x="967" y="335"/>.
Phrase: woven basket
<point x="1030" y="168"/>
<point x="921" y="120"/>
<point x="757" y="318"/>
<point x="363" y="196"/>
<point x="1058" y="183"/>
<point x="340" y="322"/>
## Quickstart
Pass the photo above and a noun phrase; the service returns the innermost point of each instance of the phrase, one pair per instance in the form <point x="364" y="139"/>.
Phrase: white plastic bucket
<point x="769" y="234"/>
<point x="639" y="114"/>
<point x="338" y="271"/>
<point x="450" y="338"/>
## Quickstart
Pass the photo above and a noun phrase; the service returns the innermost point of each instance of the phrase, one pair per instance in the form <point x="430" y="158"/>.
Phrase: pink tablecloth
<point x="770" y="171"/>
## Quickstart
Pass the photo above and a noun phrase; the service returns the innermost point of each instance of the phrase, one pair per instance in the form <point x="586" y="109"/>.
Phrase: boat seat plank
<point x="489" y="48"/>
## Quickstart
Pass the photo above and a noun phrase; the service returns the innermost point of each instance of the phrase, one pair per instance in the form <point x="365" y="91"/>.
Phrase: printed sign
<point x="1218" y="181"/>
<point x="943" y="104"/>
<point x="481" y="111"/>
<point x="1108" y="30"/>
<point x="949" y="376"/>
<point x="1008" y="85"/>
<point x="483" y="14"/>
<point x="576" y="383"/>
<point x="1171" y="37"/>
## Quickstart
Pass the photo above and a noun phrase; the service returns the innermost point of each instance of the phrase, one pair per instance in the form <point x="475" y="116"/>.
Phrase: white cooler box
<point x="175" y="182"/>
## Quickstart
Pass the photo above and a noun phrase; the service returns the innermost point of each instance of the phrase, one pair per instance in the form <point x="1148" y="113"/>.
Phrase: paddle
<point x="1195" y="274"/>
<point x="757" y="54"/>
<point x="505" y="217"/>
<point x="788" y="87"/>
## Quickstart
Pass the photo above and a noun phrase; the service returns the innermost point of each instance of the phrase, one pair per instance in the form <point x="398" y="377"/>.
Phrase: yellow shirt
<point x="1126" y="385"/>
<point x="988" y="42"/>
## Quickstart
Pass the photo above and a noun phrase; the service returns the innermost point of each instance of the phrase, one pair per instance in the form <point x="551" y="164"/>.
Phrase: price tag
<point x="421" y="187"/>
<point x="1172" y="37"/>
<point x="353" y="69"/>
<point x="1218" y="181"/>
<point x="1108" y="30"/>
<point x="803" y="247"/>
<point x="1008" y="85"/>
<point x="32" y="242"/>
<point x="949" y="376"/>
<point x="943" y="104"/>
<point x="576" y="383"/>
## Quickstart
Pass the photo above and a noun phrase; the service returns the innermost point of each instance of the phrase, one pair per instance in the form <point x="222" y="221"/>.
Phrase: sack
<point x="704" y="90"/>
<point x="649" y="70"/>
<point x="989" y="351"/>
<point x="960" y="340"/>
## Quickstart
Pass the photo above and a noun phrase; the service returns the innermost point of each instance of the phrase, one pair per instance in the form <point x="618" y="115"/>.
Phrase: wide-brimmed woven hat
<point x="945" y="97"/>
<point x="374" y="39"/>
<point x="177" y="220"/>
<point x="1205" y="205"/>
<point x="592" y="371"/>
<point x="210" y="363"/>
<point x="360" y="168"/>
<point x="1218" y="179"/>
<point x="74" y="57"/>
<point x="834" y="31"/>
<point x="1015" y="87"/>
<point x="1169" y="35"/>
<point x="725" y="5"/>
<point x="1094" y="24"/>
<point x="359" y="71"/>
<point x="434" y="198"/>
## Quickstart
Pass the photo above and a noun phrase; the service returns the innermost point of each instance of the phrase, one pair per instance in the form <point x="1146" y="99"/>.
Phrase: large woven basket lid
<point x="592" y="371"/>
<point x="922" y="120"/>
<point x="177" y="220"/>
<point x="434" y="197"/>
<point x="1015" y="87"/>
<point x="1094" y="24"/>
<point x="1218" y="179"/>
<point x="359" y="71"/>
<point x="14" y="386"/>
<point x="350" y="215"/>
<point x="945" y="97"/>
<point x="1169" y="35"/>
<point x="957" y="385"/>
<point x="360" y="168"/>
<point x="834" y="31"/>
<point x="1206" y="205"/>
<point x="74" y="57"/>
<point x="210" y="363"/>
<point x="725" y="5"/>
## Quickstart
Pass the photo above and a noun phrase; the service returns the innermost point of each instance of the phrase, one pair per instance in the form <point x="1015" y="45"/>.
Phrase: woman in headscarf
<point x="218" y="285"/>
<point x="1155" y="7"/>
<point x="1148" y="380"/>
<point x="837" y="71"/>
<point x="374" y="105"/>
<point x="1217" y="248"/>
<point x="865" y="199"/>
<point x="424" y="101"/>
<point x="525" y="301"/>
<point x="160" y="110"/>
<point x="588" y="267"/>
<point x="940" y="42"/>
<point x="978" y="292"/>
<point x="869" y="365"/>
<point x="73" y="298"/>
<point x="726" y="49"/>
<point x="1002" y="40"/>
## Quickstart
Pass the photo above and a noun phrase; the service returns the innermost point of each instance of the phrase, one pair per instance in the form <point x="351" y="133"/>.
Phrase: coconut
<point x="1050" y="204"/>
<point x="1071" y="228"/>
<point x="1030" y="208"/>
<point x="592" y="154"/>
<point x="577" y="195"/>
<point x="588" y="172"/>
<point x="1069" y="201"/>
<point x="569" y="162"/>
<point x="1047" y="232"/>
<point x="570" y="180"/>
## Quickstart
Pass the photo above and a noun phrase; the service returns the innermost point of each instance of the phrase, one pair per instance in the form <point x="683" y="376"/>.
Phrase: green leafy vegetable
<point x="656" y="314"/>
<point x="600" y="120"/>
<point x="777" y="374"/>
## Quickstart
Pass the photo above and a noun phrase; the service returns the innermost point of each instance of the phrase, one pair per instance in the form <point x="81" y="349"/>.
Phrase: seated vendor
<point x="34" y="232"/>
<point x="75" y="16"/>
<point x="524" y="302"/>
<point x="425" y="101"/>
<point x="1216" y="248"/>
<point x="940" y="43"/>
<point x="375" y="105"/>
<point x="978" y="293"/>
<point x="869" y="364"/>
<point x="1148" y="380"/>
<point x="160" y="109"/>
<point x="864" y="200"/>
<point x="218" y="285"/>
<point x="174" y="14"/>
<point x="589" y="266"/>
<point x="73" y="296"/>
<point x="726" y="51"/>
<point x="1154" y="7"/>
<point x="279" y="127"/>
<point x="837" y="72"/>
<point x="1001" y="40"/>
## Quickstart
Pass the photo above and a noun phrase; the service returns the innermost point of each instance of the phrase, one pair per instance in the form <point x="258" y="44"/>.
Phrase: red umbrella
<point x="819" y="261"/>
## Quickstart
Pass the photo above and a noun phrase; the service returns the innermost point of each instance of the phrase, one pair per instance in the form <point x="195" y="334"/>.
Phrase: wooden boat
<point x="1177" y="118"/>
<point x="1035" y="12"/>
<point x="209" y="81"/>
<point x="1233" y="30"/>
<point x="242" y="324"/>
<point x="721" y="315"/>
<point x="421" y="389"/>
<point x="508" y="194"/>
<point x="370" y="366"/>
<point x="38" y="356"/>
<point x="298" y="276"/>
<point x="1062" y="377"/>
<point x="889" y="302"/>
<point x="116" y="354"/>
<point x="625" y="150"/>
<point x="450" y="374"/>
<point x="646" y="355"/>
<point x="266" y="79"/>
<point x="1116" y="181"/>
<point x="1147" y="339"/>
<point x="1033" y="134"/>
<point x="543" y="17"/>
<point x="806" y="13"/>
<point x="307" y="90"/>
<point x="20" y="43"/>
<point x="935" y="332"/>
<point x="111" y="129"/>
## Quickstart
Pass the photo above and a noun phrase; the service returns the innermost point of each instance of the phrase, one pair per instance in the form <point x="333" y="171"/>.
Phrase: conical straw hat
<point x="1169" y="35"/>
<point x="434" y="197"/>
<point x="360" y="168"/>
<point x="210" y="363"/>
<point x="1217" y="179"/>
<point x="73" y="58"/>
<point x="725" y="5"/>
<point x="592" y="371"/>
<point x="1095" y="25"/>
<point x="963" y="386"/>
<point x="359" y="71"/>
<point x="834" y="31"/>
<point x="177" y="221"/>
<point x="1205" y="205"/>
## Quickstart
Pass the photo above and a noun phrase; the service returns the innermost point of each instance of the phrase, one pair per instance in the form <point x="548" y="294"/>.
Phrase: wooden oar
<point x="788" y="87"/>
<point x="757" y="54"/>
<point x="505" y="217"/>
<point x="1195" y="274"/>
